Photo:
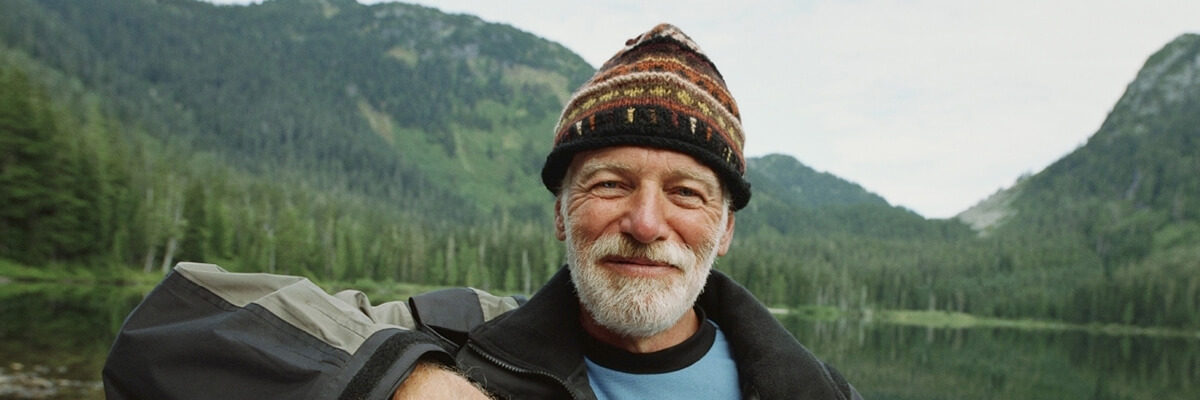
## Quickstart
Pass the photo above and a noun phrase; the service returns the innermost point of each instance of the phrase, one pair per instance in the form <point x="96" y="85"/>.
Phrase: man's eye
<point x="606" y="185"/>
<point x="687" y="192"/>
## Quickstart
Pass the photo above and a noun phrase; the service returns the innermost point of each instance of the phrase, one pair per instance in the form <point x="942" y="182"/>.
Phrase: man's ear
<point x="560" y="230"/>
<point x="728" y="237"/>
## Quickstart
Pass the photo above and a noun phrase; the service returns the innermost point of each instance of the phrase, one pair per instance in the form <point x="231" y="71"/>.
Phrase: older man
<point x="647" y="170"/>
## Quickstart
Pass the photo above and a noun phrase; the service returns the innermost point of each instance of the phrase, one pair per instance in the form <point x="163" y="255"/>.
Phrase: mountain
<point x="397" y="101"/>
<point x="1134" y="177"/>
<point x="1121" y="214"/>
<point x="392" y="100"/>
<point x="393" y="142"/>
<point x="307" y="114"/>
<point x="792" y="199"/>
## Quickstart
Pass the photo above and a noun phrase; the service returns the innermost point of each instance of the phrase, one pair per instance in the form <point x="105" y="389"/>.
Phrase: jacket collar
<point x="543" y="335"/>
<point x="771" y="363"/>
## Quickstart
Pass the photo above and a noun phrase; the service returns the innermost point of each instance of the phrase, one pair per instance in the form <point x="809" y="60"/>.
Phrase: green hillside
<point x="1122" y="213"/>
<point x="395" y="143"/>
<point x="394" y="101"/>
<point x="324" y="138"/>
<point x="792" y="199"/>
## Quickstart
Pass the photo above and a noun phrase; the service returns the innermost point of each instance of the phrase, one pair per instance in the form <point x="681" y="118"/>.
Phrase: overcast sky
<point x="932" y="104"/>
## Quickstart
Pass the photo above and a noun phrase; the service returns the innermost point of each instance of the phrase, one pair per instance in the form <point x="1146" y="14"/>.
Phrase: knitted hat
<point x="659" y="91"/>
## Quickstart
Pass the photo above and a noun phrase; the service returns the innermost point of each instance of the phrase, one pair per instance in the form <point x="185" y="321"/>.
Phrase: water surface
<point x="904" y="362"/>
<point x="53" y="340"/>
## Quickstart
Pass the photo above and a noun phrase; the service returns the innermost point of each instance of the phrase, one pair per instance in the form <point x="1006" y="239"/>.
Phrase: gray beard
<point x="639" y="307"/>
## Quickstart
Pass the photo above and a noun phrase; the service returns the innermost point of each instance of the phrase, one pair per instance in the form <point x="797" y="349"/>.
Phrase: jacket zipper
<point x="520" y="370"/>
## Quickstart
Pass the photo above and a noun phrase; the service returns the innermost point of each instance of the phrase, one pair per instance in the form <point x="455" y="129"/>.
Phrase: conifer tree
<point x="196" y="237"/>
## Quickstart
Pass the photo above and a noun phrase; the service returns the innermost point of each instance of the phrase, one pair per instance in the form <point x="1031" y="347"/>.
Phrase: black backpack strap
<point x="452" y="313"/>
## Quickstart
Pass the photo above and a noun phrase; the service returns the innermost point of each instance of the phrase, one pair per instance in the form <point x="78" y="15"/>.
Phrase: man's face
<point x="643" y="227"/>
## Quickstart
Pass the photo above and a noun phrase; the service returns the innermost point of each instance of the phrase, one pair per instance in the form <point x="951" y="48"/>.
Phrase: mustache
<point x="616" y="245"/>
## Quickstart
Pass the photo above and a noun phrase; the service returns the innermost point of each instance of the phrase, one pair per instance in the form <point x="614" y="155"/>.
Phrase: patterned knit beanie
<point x="659" y="91"/>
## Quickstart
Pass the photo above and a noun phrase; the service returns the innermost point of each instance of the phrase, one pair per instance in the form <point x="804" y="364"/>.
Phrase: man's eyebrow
<point x="589" y="169"/>
<point x="711" y="183"/>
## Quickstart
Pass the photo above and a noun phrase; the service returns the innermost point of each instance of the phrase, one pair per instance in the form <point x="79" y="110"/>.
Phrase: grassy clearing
<point x="122" y="275"/>
<point x="11" y="271"/>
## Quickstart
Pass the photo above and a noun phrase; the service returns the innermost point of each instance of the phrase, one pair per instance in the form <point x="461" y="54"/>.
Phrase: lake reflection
<point x="54" y="337"/>
<point x="58" y="335"/>
<point x="904" y="362"/>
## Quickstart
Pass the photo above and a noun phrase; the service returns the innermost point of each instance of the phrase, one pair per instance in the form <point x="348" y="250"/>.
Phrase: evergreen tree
<point x="197" y="236"/>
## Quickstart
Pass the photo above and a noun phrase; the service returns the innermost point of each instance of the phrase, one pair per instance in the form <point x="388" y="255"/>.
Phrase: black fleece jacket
<point x="535" y="352"/>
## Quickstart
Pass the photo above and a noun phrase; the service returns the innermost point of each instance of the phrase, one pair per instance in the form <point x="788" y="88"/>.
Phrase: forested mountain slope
<point x="399" y="101"/>
<point x="792" y="199"/>
<point x="321" y="137"/>
<point x="1126" y="205"/>
<point x="392" y="142"/>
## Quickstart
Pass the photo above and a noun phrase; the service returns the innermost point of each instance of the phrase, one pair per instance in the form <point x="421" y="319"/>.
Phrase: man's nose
<point x="645" y="220"/>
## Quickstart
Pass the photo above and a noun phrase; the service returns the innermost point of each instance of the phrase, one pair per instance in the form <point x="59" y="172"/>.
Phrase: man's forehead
<point x="633" y="159"/>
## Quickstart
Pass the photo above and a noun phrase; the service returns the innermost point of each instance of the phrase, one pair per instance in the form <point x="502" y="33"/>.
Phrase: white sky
<point x="932" y="104"/>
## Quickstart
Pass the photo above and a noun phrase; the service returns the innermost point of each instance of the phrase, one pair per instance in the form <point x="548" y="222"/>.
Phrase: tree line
<point x="126" y="164"/>
<point x="84" y="189"/>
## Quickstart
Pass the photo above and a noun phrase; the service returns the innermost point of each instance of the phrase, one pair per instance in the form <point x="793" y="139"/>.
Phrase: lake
<point x="54" y="337"/>
<point x="896" y="362"/>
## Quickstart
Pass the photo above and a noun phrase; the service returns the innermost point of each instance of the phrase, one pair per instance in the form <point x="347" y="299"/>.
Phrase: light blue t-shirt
<point x="713" y="376"/>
